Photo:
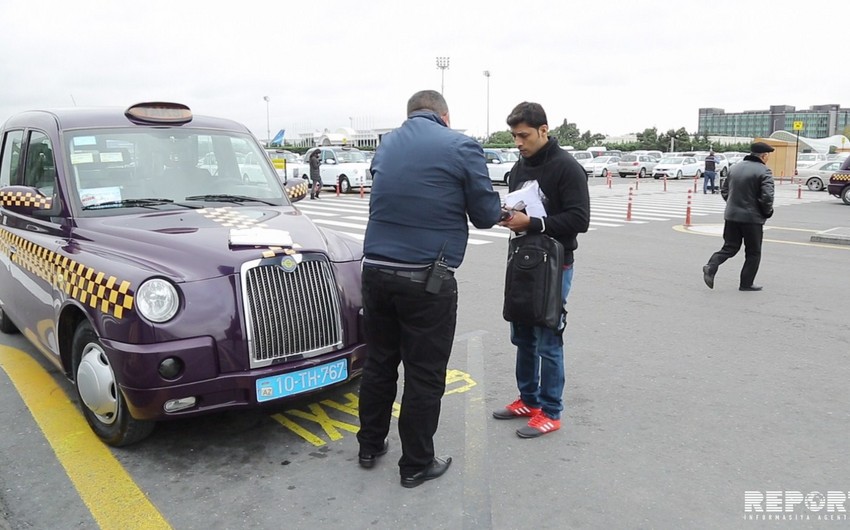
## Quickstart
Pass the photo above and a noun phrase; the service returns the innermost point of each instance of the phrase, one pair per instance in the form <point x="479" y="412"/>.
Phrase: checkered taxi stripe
<point x="840" y="177"/>
<point x="298" y="190"/>
<point x="26" y="199"/>
<point x="94" y="288"/>
<point x="230" y="217"/>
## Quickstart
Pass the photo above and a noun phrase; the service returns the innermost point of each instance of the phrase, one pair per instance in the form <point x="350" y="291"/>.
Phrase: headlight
<point x="157" y="300"/>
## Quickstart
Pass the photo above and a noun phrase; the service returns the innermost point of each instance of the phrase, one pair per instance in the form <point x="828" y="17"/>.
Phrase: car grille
<point x="291" y="315"/>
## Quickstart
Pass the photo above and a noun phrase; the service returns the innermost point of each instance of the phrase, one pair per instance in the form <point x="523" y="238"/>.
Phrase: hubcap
<point x="96" y="384"/>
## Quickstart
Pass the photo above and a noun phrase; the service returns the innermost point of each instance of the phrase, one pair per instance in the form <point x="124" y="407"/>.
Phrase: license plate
<point x="278" y="386"/>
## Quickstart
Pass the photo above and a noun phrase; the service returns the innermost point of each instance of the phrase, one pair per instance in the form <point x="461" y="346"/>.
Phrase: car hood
<point x="189" y="245"/>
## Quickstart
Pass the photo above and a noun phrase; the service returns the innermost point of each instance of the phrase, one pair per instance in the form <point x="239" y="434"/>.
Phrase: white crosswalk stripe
<point x="608" y="208"/>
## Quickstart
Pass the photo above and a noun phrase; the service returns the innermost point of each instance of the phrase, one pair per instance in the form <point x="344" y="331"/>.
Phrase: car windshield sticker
<point x="111" y="157"/>
<point x="85" y="140"/>
<point x="92" y="196"/>
<point x="82" y="158"/>
<point x="95" y="288"/>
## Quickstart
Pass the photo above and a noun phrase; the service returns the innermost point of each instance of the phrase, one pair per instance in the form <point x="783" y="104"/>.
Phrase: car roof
<point x="100" y="117"/>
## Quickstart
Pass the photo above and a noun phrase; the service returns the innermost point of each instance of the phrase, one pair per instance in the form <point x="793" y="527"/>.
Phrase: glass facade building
<point x="819" y="121"/>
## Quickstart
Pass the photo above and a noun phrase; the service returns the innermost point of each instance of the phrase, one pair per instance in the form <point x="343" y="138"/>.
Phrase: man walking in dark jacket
<point x="315" y="173"/>
<point x="563" y="191"/>
<point x="748" y="192"/>
<point x="427" y="179"/>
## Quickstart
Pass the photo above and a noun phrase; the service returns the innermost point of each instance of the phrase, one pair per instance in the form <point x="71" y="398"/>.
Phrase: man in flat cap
<point x="748" y="192"/>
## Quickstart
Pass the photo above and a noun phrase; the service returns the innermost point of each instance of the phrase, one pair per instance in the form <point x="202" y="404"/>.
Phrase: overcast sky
<point x="614" y="66"/>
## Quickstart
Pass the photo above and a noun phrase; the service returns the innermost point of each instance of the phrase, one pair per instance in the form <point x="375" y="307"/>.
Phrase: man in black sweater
<point x="563" y="191"/>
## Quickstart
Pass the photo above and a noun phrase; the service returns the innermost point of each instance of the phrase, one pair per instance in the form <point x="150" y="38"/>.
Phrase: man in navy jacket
<point x="428" y="183"/>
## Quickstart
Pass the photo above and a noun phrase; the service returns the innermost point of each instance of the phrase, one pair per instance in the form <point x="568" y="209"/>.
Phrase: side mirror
<point x="496" y="161"/>
<point x="329" y="161"/>
<point x="297" y="188"/>
<point x="29" y="201"/>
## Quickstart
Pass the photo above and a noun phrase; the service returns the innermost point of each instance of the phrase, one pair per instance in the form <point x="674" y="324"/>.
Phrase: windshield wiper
<point x="128" y="203"/>
<point x="222" y="197"/>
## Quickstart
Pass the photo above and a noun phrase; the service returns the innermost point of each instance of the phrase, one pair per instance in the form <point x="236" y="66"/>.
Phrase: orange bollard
<point x="361" y="189"/>
<point x="637" y="180"/>
<point x="695" y="184"/>
<point x="799" y="191"/>
<point x="609" y="180"/>
<point x="688" y="211"/>
<point x="337" y="188"/>
<point x="629" y="207"/>
<point x="665" y="181"/>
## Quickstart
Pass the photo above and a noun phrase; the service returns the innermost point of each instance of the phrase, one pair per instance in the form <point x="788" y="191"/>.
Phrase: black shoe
<point x="435" y="470"/>
<point x="368" y="460"/>
<point x="750" y="288"/>
<point x="708" y="276"/>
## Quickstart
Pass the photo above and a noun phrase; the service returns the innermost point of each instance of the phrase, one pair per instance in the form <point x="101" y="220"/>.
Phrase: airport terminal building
<point x="819" y="121"/>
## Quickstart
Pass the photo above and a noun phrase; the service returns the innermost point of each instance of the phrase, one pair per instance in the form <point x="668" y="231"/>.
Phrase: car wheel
<point x="507" y="175"/>
<point x="102" y="403"/>
<point x="723" y="173"/>
<point x="678" y="175"/>
<point x="642" y="173"/>
<point x="604" y="173"/>
<point x="344" y="185"/>
<point x="814" y="184"/>
<point x="6" y="325"/>
<point x="845" y="195"/>
<point x="698" y="174"/>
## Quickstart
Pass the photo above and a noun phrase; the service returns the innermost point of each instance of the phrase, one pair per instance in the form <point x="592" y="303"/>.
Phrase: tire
<point x="344" y="185"/>
<point x="604" y="173"/>
<point x="642" y="173"/>
<point x="679" y="175"/>
<point x="698" y="174"/>
<point x="101" y="401"/>
<point x="815" y="184"/>
<point x="6" y="325"/>
<point x="723" y="173"/>
<point x="507" y="176"/>
<point x="845" y="195"/>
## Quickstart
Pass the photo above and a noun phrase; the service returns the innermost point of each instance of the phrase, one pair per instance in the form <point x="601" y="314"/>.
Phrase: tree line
<point x="569" y="134"/>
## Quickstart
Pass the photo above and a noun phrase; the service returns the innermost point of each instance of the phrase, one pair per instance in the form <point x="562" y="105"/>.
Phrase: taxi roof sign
<point x="159" y="112"/>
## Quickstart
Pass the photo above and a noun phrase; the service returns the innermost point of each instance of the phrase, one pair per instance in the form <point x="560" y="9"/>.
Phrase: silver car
<point x="817" y="176"/>
<point x="639" y="165"/>
<point x="601" y="166"/>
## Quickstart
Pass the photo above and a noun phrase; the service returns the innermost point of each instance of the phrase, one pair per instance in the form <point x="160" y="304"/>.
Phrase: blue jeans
<point x="540" y="361"/>
<point x="709" y="175"/>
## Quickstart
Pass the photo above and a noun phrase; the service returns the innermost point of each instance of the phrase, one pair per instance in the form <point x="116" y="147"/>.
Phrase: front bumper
<point x="146" y="392"/>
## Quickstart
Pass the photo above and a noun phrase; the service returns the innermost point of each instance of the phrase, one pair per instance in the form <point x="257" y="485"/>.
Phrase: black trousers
<point x="733" y="234"/>
<point x="404" y="324"/>
<point x="315" y="187"/>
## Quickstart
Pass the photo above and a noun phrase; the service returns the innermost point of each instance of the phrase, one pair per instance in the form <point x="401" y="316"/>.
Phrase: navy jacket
<point x="426" y="179"/>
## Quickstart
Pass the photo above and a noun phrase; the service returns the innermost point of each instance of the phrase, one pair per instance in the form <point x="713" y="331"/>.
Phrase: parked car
<point x="343" y="166"/>
<point x="499" y="163"/>
<point x="676" y="167"/>
<point x="805" y="160"/>
<point x="839" y="182"/>
<point x="636" y="164"/>
<point x="601" y="166"/>
<point x="733" y="157"/>
<point x="817" y="176"/>
<point x="161" y="290"/>
<point x="583" y="157"/>
<point x="721" y="163"/>
<point x="654" y="154"/>
<point x="288" y="164"/>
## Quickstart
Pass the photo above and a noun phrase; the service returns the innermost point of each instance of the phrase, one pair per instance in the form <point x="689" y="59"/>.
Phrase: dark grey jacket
<point x="748" y="192"/>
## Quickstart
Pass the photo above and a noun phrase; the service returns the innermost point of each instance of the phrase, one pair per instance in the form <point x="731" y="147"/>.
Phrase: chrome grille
<point x="291" y="314"/>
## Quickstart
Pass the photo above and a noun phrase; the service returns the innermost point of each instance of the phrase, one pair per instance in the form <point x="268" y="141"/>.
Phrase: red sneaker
<point x="539" y="425"/>
<point x="517" y="409"/>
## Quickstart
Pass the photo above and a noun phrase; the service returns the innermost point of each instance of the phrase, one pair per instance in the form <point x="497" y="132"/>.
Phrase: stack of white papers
<point x="530" y="195"/>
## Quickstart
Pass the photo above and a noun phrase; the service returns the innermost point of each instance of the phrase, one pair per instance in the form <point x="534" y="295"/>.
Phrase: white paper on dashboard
<point x="263" y="237"/>
<point x="530" y="195"/>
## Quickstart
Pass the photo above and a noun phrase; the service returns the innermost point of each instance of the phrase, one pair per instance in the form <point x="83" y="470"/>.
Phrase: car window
<point x="40" y="167"/>
<point x="629" y="158"/>
<point x="11" y="158"/>
<point x="346" y="156"/>
<point x="490" y="157"/>
<point x="672" y="160"/>
<point x="832" y="166"/>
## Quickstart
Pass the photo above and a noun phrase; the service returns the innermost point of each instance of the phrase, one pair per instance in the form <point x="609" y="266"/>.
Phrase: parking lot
<point x="679" y="399"/>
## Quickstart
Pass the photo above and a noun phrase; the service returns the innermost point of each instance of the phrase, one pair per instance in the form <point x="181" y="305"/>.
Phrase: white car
<point x="676" y="167"/>
<point x="721" y="164"/>
<point x="499" y="163"/>
<point x="343" y="166"/>
<point x="817" y="176"/>
<point x="602" y="166"/>
<point x="288" y="164"/>
<point x="583" y="157"/>
<point x="805" y="160"/>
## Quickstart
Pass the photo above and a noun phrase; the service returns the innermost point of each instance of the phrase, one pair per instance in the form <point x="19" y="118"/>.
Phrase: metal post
<point x="268" y="126"/>
<point x="487" y="75"/>
<point x="442" y="64"/>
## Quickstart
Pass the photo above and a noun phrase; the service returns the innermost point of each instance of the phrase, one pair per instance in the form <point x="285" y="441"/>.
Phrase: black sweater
<point x="563" y="184"/>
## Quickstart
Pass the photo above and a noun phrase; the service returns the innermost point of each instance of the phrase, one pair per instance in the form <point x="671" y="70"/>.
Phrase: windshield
<point x="346" y="156"/>
<point x="672" y="160"/>
<point x="628" y="158"/>
<point x="807" y="158"/>
<point x="120" y="166"/>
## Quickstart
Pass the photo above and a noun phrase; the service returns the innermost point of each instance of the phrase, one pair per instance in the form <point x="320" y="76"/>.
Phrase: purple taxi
<point x="149" y="255"/>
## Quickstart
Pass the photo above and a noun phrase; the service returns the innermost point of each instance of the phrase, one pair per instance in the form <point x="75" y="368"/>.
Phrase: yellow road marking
<point x="112" y="497"/>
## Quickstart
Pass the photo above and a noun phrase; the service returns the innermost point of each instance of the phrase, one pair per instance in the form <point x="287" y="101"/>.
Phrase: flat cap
<point x="761" y="147"/>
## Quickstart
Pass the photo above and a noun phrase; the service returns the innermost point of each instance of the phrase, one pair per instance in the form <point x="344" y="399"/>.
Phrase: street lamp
<point x="487" y="75"/>
<point x="268" y="126"/>
<point x="443" y="65"/>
